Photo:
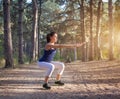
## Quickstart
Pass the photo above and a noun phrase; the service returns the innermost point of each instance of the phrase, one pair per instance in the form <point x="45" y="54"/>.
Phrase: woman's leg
<point x="46" y="79"/>
<point x="50" y="68"/>
<point x="60" y="66"/>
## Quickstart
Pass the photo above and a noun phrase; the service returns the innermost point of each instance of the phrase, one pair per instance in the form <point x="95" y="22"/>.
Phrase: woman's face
<point x="53" y="38"/>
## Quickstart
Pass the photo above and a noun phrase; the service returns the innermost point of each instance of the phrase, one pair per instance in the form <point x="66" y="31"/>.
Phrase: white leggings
<point x="51" y="66"/>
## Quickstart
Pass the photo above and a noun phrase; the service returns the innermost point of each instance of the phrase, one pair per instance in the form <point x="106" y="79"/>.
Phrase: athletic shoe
<point x="46" y="86"/>
<point x="59" y="83"/>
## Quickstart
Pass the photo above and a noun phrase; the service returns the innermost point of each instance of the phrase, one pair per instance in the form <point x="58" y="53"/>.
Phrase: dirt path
<point x="89" y="80"/>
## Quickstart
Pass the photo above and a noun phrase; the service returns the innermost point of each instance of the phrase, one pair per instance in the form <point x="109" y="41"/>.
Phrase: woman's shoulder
<point x="48" y="46"/>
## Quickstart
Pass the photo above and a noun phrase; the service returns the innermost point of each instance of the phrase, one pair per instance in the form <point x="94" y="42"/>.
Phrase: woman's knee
<point x="51" y="67"/>
<point x="62" y="66"/>
<point x="50" y="70"/>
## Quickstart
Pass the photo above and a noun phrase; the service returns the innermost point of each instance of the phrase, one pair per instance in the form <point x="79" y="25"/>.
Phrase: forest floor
<point x="83" y="80"/>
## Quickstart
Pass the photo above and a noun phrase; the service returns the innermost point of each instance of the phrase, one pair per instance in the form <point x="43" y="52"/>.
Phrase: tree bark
<point x="111" y="38"/>
<point x="98" y="31"/>
<point x="81" y="3"/>
<point x="91" y="31"/>
<point x="20" y="32"/>
<point x="39" y="26"/>
<point x="7" y="35"/>
<point x="34" y="40"/>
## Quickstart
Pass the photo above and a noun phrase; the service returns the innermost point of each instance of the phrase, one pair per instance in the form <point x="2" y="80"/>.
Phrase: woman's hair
<point x="50" y="35"/>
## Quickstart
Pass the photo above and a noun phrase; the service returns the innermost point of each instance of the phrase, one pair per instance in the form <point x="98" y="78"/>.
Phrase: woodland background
<point x="24" y="25"/>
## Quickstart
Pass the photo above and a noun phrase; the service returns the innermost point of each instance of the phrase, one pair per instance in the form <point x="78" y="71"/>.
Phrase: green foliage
<point x="2" y="62"/>
<point x="57" y="56"/>
<point x="50" y="6"/>
<point x="1" y="46"/>
<point x="62" y="16"/>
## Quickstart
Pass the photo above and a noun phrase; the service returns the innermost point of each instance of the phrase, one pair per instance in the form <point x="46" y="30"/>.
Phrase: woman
<point x="46" y="61"/>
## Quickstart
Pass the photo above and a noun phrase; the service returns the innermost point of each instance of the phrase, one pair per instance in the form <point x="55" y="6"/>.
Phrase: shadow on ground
<point x="91" y="80"/>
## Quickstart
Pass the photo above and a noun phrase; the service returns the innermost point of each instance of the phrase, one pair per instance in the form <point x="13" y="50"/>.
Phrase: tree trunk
<point x="34" y="40"/>
<point x="111" y="40"/>
<point x="98" y="50"/>
<point x="91" y="32"/>
<point x="7" y="35"/>
<point x="75" y="54"/>
<point x="81" y="3"/>
<point x="20" y="32"/>
<point x="39" y="26"/>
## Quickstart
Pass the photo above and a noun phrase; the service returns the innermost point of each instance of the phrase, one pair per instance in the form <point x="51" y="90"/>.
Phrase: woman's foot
<point x="59" y="83"/>
<point x="46" y="86"/>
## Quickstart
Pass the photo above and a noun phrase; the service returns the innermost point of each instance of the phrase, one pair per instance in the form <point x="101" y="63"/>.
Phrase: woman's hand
<point x="79" y="45"/>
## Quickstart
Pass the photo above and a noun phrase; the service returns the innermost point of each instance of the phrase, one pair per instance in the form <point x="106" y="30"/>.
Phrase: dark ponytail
<point x="49" y="35"/>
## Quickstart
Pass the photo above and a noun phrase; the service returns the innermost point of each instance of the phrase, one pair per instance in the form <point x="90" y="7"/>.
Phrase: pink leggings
<point x="51" y="66"/>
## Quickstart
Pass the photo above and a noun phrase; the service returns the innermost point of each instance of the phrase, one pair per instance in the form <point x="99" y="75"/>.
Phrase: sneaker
<point x="59" y="83"/>
<point x="46" y="86"/>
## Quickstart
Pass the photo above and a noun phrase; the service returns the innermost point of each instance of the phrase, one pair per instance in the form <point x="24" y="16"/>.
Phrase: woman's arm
<point x="69" y="45"/>
<point x="48" y="46"/>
